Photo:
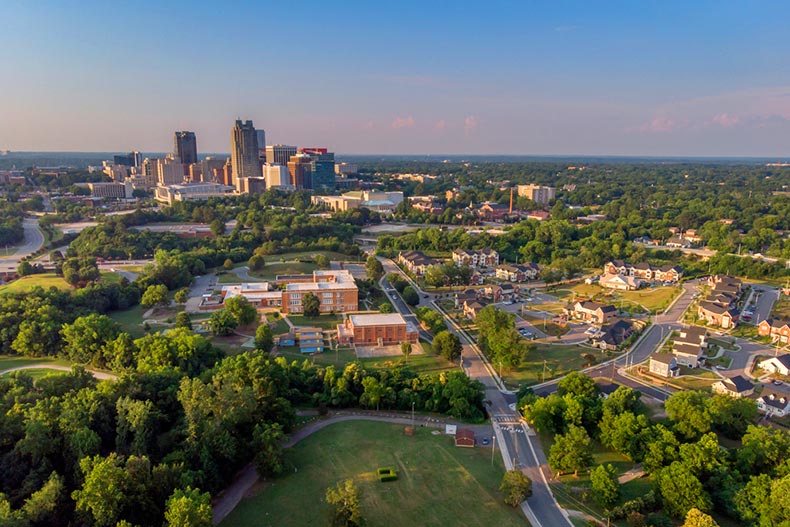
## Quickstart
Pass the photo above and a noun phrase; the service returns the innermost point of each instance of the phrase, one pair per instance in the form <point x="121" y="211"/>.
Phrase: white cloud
<point x="470" y="123"/>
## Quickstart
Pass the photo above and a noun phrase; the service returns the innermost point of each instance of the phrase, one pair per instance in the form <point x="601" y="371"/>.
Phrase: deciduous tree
<point x="516" y="487"/>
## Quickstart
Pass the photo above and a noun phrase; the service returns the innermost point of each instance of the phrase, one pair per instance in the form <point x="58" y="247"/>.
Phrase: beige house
<point x="619" y="282"/>
<point x="664" y="365"/>
<point x="735" y="387"/>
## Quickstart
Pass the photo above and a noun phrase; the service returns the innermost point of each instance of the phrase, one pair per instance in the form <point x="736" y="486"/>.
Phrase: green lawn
<point x="322" y="321"/>
<point x="26" y="283"/>
<point x="438" y="484"/>
<point x="653" y="299"/>
<point x="12" y="361"/>
<point x="280" y="326"/>
<point x="560" y="359"/>
<point x="307" y="255"/>
<point x="38" y="373"/>
<point x="271" y="270"/>
<point x="130" y="319"/>
<point x="425" y="363"/>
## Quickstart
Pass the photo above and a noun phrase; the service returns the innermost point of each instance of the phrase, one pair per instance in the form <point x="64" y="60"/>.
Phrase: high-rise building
<point x="244" y="150"/>
<point x="261" y="145"/>
<point x="185" y="147"/>
<point x="536" y="193"/>
<point x="132" y="159"/>
<point x="150" y="171"/>
<point x="323" y="168"/>
<point x="227" y="173"/>
<point x="277" y="177"/>
<point x="300" y="167"/>
<point x="279" y="154"/>
<point x="169" y="171"/>
<point x="211" y="167"/>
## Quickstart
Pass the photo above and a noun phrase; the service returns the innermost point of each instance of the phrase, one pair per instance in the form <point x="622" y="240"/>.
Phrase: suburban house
<point x="613" y="336"/>
<point x="474" y="259"/>
<point x="463" y="296"/>
<point x="690" y="344"/>
<point x="664" y="365"/>
<point x="376" y="330"/>
<point x="517" y="273"/>
<point x="779" y="365"/>
<point x="416" y="261"/>
<point x="736" y="387"/>
<point x="620" y="282"/>
<point x="717" y="314"/>
<point x="592" y="311"/>
<point x="472" y="308"/>
<point x="774" y="401"/>
<point x="644" y="271"/>
<point x="777" y="329"/>
<point x="488" y="257"/>
<point x="678" y="243"/>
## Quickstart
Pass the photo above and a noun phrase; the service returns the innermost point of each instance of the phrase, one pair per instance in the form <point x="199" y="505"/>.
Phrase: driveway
<point x="764" y="299"/>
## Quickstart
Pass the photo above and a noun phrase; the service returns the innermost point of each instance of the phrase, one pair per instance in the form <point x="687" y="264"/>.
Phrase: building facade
<point x="376" y="330"/>
<point x="537" y="193"/>
<point x="244" y="151"/>
<point x="185" y="147"/>
<point x="279" y="154"/>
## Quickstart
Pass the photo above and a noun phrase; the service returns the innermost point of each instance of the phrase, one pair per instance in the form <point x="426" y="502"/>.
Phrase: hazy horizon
<point x="568" y="79"/>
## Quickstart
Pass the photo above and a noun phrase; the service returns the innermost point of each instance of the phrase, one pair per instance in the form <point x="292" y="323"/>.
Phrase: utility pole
<point x="493" y="445"/>
<point x="412" y="414"/>
<point x="544" y="370"/>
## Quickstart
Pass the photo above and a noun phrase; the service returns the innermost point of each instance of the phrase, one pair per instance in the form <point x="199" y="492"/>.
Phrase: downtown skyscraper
<point x="185" y="147"/>
<point x="244" y="151"/>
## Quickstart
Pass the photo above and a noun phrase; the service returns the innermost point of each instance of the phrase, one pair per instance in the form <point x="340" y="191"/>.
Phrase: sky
<point x="663" y="78"/>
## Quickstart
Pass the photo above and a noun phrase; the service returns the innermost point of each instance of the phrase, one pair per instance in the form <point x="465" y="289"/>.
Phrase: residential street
<point x="34" y="239"/>
<point x="518" y="448"/>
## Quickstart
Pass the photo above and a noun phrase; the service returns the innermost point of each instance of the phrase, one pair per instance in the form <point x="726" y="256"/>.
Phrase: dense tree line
<point x="688" y="465"/>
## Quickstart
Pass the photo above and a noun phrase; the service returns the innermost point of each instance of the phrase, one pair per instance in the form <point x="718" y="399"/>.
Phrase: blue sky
<point x="560" y="77"/>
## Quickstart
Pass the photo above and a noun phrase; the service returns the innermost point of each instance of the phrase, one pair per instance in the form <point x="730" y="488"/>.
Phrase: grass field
<point x="271" y="270"/>
<point x="425" y="363"/>
<point x="560" y="359"/>
<point x="38" y="373"/>
<point x="322" y="321"/>
<point x="26" y="283"/>
<point x="653" y="299"/>
<point x="438" y="484"/>
<point x="130" y="320"/>
<point x="12" y="361"/>
<point x="308" y="255"/>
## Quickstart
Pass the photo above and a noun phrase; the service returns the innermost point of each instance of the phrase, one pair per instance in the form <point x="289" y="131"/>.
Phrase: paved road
<point x="519" y="450"/>
<point x="662" y="327"/>
<point x="103" y="376"/>
<point x="766" y="297"/>
<point x="34" y="239"/>
<point x="225" y="502"/>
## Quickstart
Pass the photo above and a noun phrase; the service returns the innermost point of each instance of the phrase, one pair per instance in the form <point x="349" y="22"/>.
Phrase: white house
<point x="620" y="282"/>
<point x="774" y="402"/>
<point x="736" y="387"/>
<point x="779" y="365"/>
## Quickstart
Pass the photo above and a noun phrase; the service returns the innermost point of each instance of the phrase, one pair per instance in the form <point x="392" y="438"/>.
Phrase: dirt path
<point x="98" y="374"/>
<point x="228" y="499"/>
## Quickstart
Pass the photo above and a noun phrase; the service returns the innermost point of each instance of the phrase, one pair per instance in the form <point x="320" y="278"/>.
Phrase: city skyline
<point x="654" y="79"/>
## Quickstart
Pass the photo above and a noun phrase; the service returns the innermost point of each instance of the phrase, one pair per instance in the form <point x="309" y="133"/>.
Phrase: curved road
<point x="34" y="239"/>
<point x="102" y="376"/>
<point x="248" y="476"/>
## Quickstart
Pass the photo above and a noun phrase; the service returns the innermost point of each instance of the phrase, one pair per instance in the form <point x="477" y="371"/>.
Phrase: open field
<point x="26" y="283"/>
<point x="13" y="361"/>
<point x="652" y="299"/>
<point x="438" y="484"/>
<point x="425" y="363"/>
<point x="560" y="359"/>
<point x="309" y="255"/>
<point x="130" y="320"/>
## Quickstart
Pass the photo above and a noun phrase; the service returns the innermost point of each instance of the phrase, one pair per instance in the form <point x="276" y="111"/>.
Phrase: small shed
<point x="465" y="437"/>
